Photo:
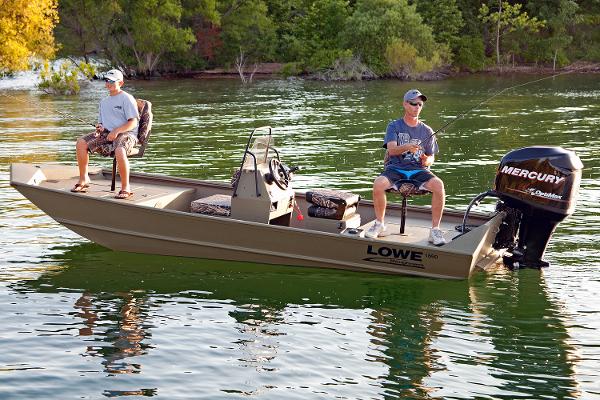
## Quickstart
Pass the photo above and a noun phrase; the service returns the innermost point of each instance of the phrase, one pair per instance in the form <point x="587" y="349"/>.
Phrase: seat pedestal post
<point x="114" y="174"/>
<point x="406" y="188"/>
<point x="403" y="215"/>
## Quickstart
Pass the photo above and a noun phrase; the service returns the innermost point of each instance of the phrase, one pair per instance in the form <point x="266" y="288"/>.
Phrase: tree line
<point x="331" y="39"/>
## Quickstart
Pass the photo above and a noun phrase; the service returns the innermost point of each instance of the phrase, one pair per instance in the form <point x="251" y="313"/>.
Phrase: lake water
<point x="78" y="321"/>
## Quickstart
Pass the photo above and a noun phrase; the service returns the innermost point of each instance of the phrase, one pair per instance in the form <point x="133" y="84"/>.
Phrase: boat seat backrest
<point x="145" y="122"/>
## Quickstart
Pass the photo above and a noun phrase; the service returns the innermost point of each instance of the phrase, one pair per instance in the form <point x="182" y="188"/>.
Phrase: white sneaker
<point x="375" y="230"/>
<point x="436" y="237"/>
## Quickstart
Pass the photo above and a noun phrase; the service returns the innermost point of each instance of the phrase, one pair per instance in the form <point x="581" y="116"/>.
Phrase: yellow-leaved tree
<point x="26" y="32"/>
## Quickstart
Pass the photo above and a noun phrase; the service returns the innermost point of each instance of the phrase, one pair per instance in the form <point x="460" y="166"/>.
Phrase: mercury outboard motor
<point x="538" y="188"/>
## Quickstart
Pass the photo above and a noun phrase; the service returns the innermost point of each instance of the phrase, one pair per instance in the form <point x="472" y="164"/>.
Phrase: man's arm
<point x="394" y="149"/>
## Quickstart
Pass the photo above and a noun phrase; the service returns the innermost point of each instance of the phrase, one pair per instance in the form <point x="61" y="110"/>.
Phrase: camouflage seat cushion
<point x="217" y="205"/>
<point x="334" y="199"/>
<point x="408" y="189"/>
<point x="145" y="122"/>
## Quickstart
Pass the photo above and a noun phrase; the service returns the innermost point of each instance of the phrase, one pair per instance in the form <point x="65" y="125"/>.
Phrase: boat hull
<point x="152" y="229"/>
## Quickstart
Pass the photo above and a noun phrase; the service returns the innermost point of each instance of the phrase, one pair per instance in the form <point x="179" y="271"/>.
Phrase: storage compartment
<point x="331" y="213"/>
<point x="332" y="225"/>
<point x="332" y="210"/>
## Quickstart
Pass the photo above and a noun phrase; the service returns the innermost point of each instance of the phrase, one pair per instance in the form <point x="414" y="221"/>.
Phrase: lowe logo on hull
<point x="532" y="175"/>
<point x="389" y="255"/>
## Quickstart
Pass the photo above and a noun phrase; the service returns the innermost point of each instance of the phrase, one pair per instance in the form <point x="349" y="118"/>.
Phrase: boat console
<point x="262" y="190"/>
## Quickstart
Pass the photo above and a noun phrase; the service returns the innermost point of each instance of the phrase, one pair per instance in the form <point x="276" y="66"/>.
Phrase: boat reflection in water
<point x="255" y="329"/>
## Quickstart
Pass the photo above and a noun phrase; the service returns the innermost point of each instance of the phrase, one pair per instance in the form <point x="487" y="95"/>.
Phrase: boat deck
<point x="416" y="230"/>
<point x="145" y="194"/>
<point x="178" y="197"/>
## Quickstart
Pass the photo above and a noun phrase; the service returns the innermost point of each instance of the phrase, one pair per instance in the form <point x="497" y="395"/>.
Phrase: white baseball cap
<point x="114" y="75"/>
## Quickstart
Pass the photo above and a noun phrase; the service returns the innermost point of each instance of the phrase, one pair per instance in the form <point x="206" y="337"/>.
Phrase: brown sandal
<point x="79" y="188"/>
<point x="123" y="194"/>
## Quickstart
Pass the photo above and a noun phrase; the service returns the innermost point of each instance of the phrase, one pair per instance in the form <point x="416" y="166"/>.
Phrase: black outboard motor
<point x="542" y="183"/>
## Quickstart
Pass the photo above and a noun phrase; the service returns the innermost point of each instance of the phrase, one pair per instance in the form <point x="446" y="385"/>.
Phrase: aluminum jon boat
<point x="255" y="219"/>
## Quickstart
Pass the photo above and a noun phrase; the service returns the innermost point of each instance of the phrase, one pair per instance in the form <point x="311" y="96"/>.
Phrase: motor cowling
<point x="542" y="183"/>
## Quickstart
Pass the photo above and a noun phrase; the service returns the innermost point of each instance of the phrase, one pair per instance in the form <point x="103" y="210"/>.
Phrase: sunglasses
<point x="414" y="104"/>
<point x="109" y="81"/>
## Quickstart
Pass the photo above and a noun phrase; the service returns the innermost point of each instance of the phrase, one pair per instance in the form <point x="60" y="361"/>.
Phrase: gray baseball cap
<point x="413" y="94"/>
<point x="114" y="75"/>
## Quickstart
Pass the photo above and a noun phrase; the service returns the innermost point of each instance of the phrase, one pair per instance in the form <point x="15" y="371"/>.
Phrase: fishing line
<point x="63" y="114"/>
<point x="496" y="95"/>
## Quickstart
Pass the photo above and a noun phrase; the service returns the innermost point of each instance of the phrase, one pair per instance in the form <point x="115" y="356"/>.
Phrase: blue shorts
<point x="418" y="176"/>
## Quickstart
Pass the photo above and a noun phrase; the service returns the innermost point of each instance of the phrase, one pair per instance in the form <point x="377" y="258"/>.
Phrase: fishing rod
<point x="462" y="115"/>
<point x="63" y="114"/>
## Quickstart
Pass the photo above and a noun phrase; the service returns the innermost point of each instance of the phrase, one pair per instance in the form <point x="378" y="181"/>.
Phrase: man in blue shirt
<point x="411" y="150"/>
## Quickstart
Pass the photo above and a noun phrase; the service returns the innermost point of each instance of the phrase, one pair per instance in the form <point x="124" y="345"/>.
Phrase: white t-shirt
<point x="116" y="110"/>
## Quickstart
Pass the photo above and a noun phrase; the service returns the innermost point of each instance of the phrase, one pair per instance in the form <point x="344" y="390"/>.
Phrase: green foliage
<point x="508" y="18"/>
<point x="86" y="26"/>
<point x="200" y="10"/>
<point x="375" y="24"/>
<point x="348" y="68"/>
<point x="325" y="58"/>
<point x="151" y="31"/>
<point x="87" y="70"/>
<point x="560" y="39"/>
<point x="284" y="14"/>
<point x="469" y="10"/>
<point x="401" y="38"/>
<point x="404" y="61"/>
<point x="320" y="33"/>
<point x="469" y="53"/>
<point x="247" y="30"/>
<point x="291" y="69"/>
<point x="586" y="35"/>
<point x="64" y="80"/>
<point x="444" y="17"/>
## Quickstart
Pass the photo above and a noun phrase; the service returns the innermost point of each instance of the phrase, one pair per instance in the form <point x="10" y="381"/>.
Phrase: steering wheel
<point x="279" y="173"/>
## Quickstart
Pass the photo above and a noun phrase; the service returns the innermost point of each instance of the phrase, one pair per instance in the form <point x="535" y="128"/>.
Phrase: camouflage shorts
<point x="98" y="143"/>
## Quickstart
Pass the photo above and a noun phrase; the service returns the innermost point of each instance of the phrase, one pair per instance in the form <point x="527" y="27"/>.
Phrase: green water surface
<point x="80" y="321"/>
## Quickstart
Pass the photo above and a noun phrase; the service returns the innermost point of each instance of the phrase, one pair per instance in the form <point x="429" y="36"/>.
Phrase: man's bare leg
<point x="123" y="166"/>
<point x="438" y="200"/>
<point x="83" y="158"/>
<point x="380" y="185"/>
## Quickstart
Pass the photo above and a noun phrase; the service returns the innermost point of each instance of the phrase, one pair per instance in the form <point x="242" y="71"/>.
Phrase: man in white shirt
<point x="115" y="134"/>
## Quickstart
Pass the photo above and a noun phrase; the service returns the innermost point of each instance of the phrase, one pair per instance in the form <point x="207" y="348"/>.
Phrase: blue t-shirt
<point x="401" y="133"/>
